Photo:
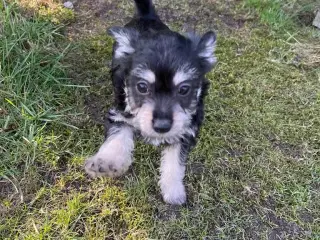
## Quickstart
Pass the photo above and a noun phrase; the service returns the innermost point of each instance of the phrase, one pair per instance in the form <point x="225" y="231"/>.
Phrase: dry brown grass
<point x="309" y="53"/>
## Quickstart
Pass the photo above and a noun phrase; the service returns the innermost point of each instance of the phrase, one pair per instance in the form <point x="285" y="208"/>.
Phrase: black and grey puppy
<point x="159" y="84"/>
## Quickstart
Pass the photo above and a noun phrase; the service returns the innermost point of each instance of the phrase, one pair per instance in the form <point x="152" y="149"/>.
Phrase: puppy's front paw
<point x="114" y="156"/>
<point x="97" y="166"/>
<point x="174" y="194"/>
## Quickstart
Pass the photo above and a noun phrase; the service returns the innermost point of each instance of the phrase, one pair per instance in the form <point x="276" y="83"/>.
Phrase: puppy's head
<point x="164" y="77"/>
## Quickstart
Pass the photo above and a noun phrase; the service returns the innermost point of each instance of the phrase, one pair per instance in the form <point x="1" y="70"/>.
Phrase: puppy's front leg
<point x="115" y="155"/>
<point x="172" y="173"/>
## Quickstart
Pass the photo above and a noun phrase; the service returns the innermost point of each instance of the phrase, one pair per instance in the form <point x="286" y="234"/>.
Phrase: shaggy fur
<point x="159" y="84"/>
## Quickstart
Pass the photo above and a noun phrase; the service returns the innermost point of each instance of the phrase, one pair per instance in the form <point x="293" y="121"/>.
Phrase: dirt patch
<point x="196" y="168"/>
<point x="265" y="220"/>
<point x="63" y="160"/>
<point x="80" y="185"/>
<point x="94" y="17"/>
<point x="305" y="18"/>
<point x="50" y="176"/>
<point x="278" y="227"/>
<point x="307" y="54"/>
<point x="269" y="203"/>
<point x="95" y="108"/>
<point x="234" y="153"/>
<point x="306" y="216"/>
<point x="7" y="191"/>
<point x="10" y="196"/>
<point x="232" y="22"/>
<point x="287" y="149"/>
<point x="256" y="229"/>
<point x="168" y="212"/>
<point x="283" y="229"/>
<point x="5" y="188"/>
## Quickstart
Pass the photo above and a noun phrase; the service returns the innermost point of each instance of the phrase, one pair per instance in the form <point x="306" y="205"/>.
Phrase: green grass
<point x="283" y="15"/>
<point x="32" y="91"/>
<point x="255" y="173"/>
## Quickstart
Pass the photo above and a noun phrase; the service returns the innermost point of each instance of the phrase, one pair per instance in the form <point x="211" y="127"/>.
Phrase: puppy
<point x="159" y="84"/>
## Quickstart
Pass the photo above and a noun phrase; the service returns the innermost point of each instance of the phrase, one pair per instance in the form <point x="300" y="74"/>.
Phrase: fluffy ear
<point x="206" y="48"/>
<point x="125" y="38"/>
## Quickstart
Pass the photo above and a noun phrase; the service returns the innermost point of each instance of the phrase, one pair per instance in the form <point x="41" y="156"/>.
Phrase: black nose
<point x="162" y="125"/>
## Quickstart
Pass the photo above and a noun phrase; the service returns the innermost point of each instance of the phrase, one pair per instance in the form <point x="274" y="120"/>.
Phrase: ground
<point x="255" y="173"/>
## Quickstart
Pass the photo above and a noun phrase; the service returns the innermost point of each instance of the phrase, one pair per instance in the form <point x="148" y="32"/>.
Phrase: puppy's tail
<point x="145" y="9"/>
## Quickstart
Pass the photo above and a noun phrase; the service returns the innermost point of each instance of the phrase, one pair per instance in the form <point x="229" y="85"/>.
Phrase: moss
<point x="56" y="15"/>
<point x="103" y="213"/>
<point x="48" y="10"/>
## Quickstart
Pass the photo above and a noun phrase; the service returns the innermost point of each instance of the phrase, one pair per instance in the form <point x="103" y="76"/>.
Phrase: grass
<point x="283" y="15"/>
<point x="255" y="173"/>
<point x="32" y="90"/>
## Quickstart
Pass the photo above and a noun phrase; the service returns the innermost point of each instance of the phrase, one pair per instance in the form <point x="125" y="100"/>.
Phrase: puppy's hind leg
<point x="115" y="155"/>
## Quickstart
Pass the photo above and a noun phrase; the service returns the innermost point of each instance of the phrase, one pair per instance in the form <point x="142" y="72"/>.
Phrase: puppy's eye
<point x="184" y="90"/>
<point x="142" y="88"/>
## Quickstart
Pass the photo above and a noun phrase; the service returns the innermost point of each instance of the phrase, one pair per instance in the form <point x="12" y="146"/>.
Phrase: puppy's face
<point x="165" y="76"/>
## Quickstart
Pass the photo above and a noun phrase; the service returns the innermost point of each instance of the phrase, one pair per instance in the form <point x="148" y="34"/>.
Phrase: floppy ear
<point x="205" y="50"/>
<point x="125" y="38"/>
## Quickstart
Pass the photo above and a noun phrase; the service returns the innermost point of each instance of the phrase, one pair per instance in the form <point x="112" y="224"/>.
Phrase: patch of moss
<point x="56" y="15"/>
<point x="48" y="10"/>
<point x="103" y="212"/>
